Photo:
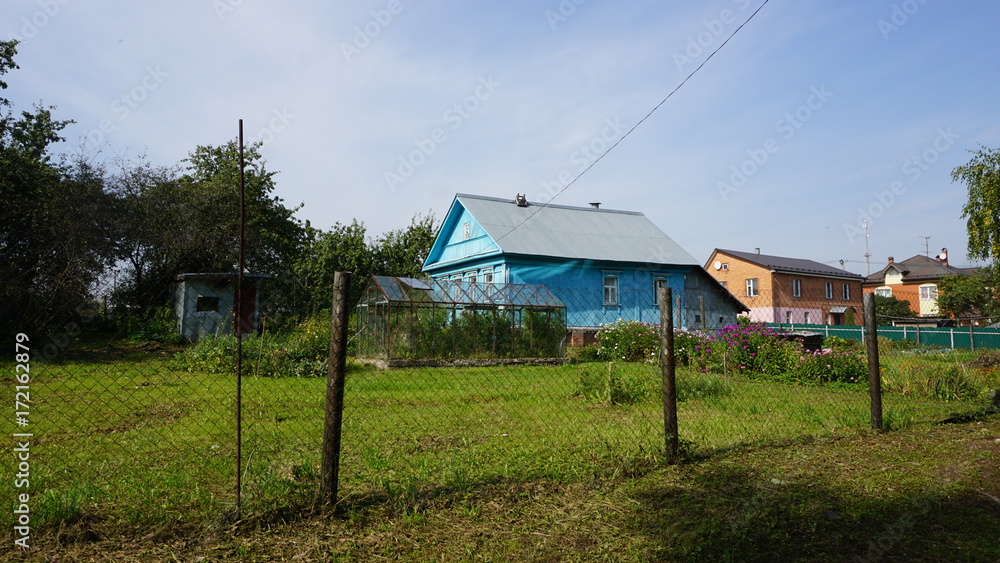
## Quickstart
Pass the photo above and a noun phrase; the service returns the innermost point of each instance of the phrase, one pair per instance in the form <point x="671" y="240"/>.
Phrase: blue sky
<point x="816" y="115"/>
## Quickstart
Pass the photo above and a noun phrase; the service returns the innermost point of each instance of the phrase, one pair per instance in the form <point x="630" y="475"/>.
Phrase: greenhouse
<point x="426" y="319"/>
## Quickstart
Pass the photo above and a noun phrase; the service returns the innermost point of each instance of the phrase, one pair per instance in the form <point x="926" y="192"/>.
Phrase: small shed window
<point x="207" y="304"/>
<point x="658" y="284"/>
<point x="610" y="289"/>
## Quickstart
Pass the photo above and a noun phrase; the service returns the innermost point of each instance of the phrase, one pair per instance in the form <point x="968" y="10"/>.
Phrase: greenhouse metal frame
<point x="427" y="319"/>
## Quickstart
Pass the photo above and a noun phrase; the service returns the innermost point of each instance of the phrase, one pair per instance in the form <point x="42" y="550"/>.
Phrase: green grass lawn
<point x="125" y="437"/>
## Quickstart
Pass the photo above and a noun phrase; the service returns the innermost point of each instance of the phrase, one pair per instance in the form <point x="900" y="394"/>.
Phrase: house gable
<point x="460" y="238"/>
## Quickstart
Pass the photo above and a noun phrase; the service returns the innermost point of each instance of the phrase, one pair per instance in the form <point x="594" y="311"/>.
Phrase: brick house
<point x="915" y="280"/>
<point x="778" y="289"/>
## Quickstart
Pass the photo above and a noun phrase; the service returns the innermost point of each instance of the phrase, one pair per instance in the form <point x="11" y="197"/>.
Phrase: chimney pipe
<point x="595" y="204"/>
<point x="891" y="259"/>
<point x="756" y="250"/>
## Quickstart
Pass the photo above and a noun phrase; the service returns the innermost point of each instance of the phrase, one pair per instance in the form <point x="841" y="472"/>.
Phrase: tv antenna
<point x="868" y="255"/>
<point x="927" y="245"/>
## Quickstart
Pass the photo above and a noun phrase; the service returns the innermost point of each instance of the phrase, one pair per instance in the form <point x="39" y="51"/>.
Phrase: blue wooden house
<point x="603" y="264"/>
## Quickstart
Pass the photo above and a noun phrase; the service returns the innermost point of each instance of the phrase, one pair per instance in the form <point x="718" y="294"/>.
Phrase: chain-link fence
<point x="143" y="431"/>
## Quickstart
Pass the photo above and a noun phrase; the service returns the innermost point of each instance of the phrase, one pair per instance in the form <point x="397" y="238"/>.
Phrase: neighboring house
<point x="784" y="290"/>
<point x="204" y="304"/>
<point x="915" y="280"/>
<point x="601" y="263"/>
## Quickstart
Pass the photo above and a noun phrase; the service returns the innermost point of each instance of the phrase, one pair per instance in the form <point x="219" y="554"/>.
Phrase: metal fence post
<point x="874" y="375"/>
<point x="668" y="373"/>
<point x="337" y="368"/>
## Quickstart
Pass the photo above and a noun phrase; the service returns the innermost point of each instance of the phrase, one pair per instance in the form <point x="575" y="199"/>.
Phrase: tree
<point x="342" y="248"/>
<point x="402" y="252"/>
<point x="179" y="221"/>
<point x="887" y="306"/>
<point x="53" y="220"/>
<point x="981" y="175"/>
<point x="960" y="295"/>
<point x="399" y="252"/>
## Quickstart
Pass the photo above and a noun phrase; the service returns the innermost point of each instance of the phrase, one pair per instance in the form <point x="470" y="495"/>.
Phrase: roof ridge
<point x="550" y="205"/>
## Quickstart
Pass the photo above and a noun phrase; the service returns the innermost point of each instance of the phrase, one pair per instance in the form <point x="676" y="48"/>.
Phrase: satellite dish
<point x="717" y="265"/>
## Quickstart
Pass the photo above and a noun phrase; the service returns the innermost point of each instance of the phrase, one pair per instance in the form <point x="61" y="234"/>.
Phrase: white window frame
<point x="610" y="290"/>
<point x="846" y="291"/>
<point x="752" y="289"/>
<point x="930" y="290"/>
<point x="883" y="291"/>
<point x="829" y="290"/>
<point x="796" y="287"/>
<point x="488" y="275"/>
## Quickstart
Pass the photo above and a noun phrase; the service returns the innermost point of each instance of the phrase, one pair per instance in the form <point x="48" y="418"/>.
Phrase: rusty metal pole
<point x="336" y="374"/>
<point x="237" y="322"/>
<point x="874" y="374"/>
<point x="668" y="373"/>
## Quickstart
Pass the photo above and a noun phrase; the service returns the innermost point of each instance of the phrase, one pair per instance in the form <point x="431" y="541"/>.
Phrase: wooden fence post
<point x="668" y="373"/>
<point x="874" y="374"/>
<point x="333" y="419"/>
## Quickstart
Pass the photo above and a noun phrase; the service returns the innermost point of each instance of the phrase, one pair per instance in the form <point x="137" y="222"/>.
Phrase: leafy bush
<point x="588" y="353"/>
<point x="628" y="341"/>
<point x="752" y="350"/>
<point x="827" y="366"/>
<point x="618" y="384"/>
<point x="685" y="344"/>
<point x="701" y="386"/>
<point x="300" y="353"/>
<point x="838" y="344"/>
<point x="159" y="326"/>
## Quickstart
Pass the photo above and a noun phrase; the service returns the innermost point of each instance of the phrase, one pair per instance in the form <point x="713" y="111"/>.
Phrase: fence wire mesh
<point x="144" y="431"/>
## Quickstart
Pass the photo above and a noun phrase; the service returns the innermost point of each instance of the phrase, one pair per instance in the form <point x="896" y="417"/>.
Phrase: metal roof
<point x="585" y="233"/>
<point x="918" y="268"/>
<point x="461" y="292"/>
<point x="795" y="265"/>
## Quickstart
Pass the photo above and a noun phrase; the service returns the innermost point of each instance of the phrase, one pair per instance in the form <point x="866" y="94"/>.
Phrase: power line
<point x="640" y="122"/>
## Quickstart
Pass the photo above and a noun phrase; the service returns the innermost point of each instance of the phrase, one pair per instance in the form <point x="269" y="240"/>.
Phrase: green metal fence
<point x="967" y="338"/>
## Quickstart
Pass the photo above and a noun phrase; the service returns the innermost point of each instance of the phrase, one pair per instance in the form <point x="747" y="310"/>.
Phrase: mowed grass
<point x="133" y="445"/>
